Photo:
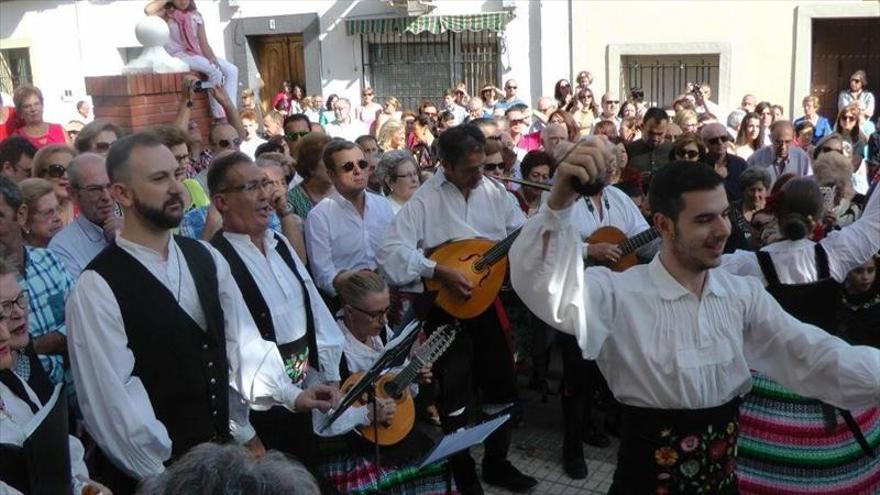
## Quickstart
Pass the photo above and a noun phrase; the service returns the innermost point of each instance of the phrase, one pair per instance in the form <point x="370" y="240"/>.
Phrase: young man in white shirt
<point x="159" y="366"/>
<point x="344" y="230"/>
<point x="676" y="339"/>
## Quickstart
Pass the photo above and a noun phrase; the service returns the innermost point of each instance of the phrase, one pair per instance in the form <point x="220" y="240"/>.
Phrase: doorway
<point x="836" y="57"/>
<point x="279" y="58"/>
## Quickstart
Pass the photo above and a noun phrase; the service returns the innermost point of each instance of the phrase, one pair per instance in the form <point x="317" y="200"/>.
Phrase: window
<point x="664" y="77"/>
<point x="15" y="69"/>
<point x="417" y="67"/>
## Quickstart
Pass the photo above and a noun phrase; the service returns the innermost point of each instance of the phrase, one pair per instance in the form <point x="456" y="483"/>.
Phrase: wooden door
<point x="279" y="58"/>
<point x="837" y="55"/>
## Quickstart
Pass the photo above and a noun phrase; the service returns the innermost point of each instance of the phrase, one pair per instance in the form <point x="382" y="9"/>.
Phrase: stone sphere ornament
<point x="152" y="32"/>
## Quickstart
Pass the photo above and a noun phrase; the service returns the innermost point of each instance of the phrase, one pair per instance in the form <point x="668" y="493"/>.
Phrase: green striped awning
<point x="434" y="24"/>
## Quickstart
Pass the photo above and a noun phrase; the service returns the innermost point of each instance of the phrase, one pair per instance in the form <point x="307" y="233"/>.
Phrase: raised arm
<point x="854" y="244"/>
<point x="156" y="7"/>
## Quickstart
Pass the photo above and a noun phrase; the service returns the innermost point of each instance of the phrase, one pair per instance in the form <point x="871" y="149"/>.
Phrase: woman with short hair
<point x="42" y="221"/>
<point x="316" y="184"/>
<point x="688" y="147"/>
<point x="399" y="176"/>
<point x="857" y="93"/>
<point x="97" y="137"/>
<point x="51" y="163"/>
<point x="29" y="110"/>
<point x="821" y="126"/>
<point x="391" y="136"/>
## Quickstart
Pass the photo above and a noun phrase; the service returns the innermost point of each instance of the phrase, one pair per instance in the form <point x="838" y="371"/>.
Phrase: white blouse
<point x="115" y="405"/>
<point x="661" y="346"/>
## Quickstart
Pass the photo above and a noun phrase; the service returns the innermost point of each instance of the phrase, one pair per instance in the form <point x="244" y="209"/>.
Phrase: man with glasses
<point x="728" y="165"/>
<point x="344" y="230"/>
<point x="96" y="226"/>
<point x="43" y="277"/>
<point x="343" y="127"/>
<point x="610" y="108"/>
<point x="16" y="155"/>
<point x="221" y="137"/>
<point x="296" y="127"/>
<point x="510" y="99"/>
<point x="278" y="291"/>
<point x="780" y="157"/>
<point x="651" y="151"/>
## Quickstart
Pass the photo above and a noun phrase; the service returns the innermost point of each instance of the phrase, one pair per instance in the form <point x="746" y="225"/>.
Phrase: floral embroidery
<point x="296" y="365"/>
<point x="666" y="456"/>
<point x="697" y="462"/>
<point x="690" y="443"/>
<point x="690" y="468"/>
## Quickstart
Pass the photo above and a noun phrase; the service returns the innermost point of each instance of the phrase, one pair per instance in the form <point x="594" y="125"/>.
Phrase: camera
<point x="202" y="86"/>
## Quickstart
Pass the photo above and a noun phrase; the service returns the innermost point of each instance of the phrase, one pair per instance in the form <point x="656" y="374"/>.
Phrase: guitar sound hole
<point x="391" y="390"/>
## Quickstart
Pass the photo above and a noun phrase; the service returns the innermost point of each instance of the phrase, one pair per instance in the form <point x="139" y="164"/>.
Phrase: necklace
<point x="865" y="305"/>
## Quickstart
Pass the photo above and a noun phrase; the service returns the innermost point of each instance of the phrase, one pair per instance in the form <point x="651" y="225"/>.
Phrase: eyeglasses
<point x="408" y="175"/>
<point x="612" y="102"/>
<point x="689" y="154"/>
<point x="828" y="149"/>
<point x="102" y="147"/>
<point x="47" y="214"/>
<point x="718" y="140"/>
<point x="347" y="167"/>
<point x="249" y="186"/>
<point x="294" y="136"/>
<point x="374" y="315"/>
<point x="225" y="143"/>
<point x="96" y="189"/>
<point x="491" y="167"/>
<point x="510" y="87"/>
<point x="56" y="171"/>
<point x="21" y="300"/>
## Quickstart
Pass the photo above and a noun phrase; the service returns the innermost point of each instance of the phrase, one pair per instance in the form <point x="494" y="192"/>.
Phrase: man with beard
<point x="164" y="351"/>
<point x="458" y="202"/>
<point x="676" y="338"/>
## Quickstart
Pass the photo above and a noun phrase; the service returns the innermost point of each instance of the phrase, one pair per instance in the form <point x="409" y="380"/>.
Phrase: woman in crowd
<point x="51" y="163"/>
<point x="688" y="147"/>
<point x="29" y="109"/>
<point x="249" y="102"/>
<point x="586" y="112"/>
<point x="606" y="128"/>
<point x="686" y="120"/>
<point x="584" y="80"/>
<point x="328" y="114"/>
<point x="835" y="171"/>
<point x="847" y="125"/>
<point x="728" y="165"/>
<point x="489" y="94"/>
<point x="42" y="221"/>
<point x="189" y="42"/>
<point x="391" y="136"/>
<point x="565" y="118"/>
<point x="860" y="305"/>
<point x="857" y="93"/>
<point x="399" y="176"/>
<point x="821" y="126"/>
<point x="748" y="139"/>
<point x="764" y="110"/>
<point x="563" y="95"/>
<point x="368" y="109"/>
<point x="351" y="467"/>
<point x="424" y="134"/>
<point x="536" y="166"/>
<point x="97" y="137"/>
<point x="390" y="111"/>
<point x="316" y="184"/>
<point x="287" y="100"/>
<point x="754" y="182"/>
<point x="790" y="444"/>
<point x="629" y="129"/>
<point x="777" y="111"/>
<point x="628" y="109"/>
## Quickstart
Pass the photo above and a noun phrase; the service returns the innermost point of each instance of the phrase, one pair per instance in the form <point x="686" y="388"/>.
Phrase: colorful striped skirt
<point x="786" y="447"/>
<point x="360" y="475"/>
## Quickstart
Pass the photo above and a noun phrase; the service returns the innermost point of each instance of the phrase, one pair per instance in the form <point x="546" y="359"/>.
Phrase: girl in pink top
<point x="189" y="43"/>
<point x="29" y="109"/>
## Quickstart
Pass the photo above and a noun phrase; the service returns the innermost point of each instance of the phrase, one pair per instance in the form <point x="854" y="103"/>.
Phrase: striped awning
<point x="435" y="24"/>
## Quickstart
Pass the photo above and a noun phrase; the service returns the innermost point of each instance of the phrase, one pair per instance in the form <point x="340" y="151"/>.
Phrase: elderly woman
<point x="399" y="176"/>
<point x="50" y="163"/>
<point x="688" y="147"/>
<point x="24" y="400"/>
<point x="835" y="170"/>
<point x="97" y="137"/>
<point x="316" y="184"/>
<point x="392" y="136"/>
<point x="42" y="221"/>
<point x="29" y="108"/>
<point x="857" y="93"/>
<point x="821" y="126"/>
<point x="728" y="165"/>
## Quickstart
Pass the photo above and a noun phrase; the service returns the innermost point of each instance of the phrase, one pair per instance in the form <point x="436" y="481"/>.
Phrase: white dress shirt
<point x="77" y="244"/>
<point x="16" y="420"/>
<point x="661" y="346"/>
<point x="115" y="405"/>
<point x="615" y="209"/>
<point x="349" y="131"/>
<point x="283" y="295"/>
<point x="339" y="238"/>
<point x="795" y="261"/>
<point x="438" y="212"/>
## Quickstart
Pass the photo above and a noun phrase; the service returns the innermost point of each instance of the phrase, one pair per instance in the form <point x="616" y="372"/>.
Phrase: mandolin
<point x="628" y="247"/>
<point x="483" y="262"/>
<point x="396" y="386"/>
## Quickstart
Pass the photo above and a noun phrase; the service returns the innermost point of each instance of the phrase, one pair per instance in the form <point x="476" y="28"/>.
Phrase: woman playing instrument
<point x="351" y="467"/>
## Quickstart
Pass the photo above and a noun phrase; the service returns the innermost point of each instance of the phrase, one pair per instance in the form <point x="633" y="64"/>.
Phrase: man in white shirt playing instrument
<point x="164" y="352"/>
<point x="459" y="202"/>
<point x="676" y="338"/>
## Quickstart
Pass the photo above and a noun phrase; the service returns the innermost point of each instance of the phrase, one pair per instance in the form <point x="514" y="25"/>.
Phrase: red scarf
<point x="187" y="28"/>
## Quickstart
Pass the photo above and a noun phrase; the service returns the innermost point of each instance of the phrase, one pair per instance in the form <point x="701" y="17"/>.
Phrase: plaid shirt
<point x="47" y="283"/>
<point x="193" y="222"/>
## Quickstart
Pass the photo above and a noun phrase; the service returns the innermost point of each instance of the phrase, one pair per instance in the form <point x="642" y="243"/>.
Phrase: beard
<point x="159" y="217"/>
<point x="687" y="253"/>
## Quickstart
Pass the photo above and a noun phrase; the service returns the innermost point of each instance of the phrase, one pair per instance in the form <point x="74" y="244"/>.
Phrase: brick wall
<point x="136" y="102"/>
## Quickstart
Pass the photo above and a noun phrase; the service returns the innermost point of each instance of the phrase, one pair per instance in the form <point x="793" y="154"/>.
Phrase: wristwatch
<point x="283" y="213"/>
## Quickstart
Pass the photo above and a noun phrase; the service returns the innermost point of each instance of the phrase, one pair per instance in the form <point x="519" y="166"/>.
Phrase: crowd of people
<point x="162" y="295"/>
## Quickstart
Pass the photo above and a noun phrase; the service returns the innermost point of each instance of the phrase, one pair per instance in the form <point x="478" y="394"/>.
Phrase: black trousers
<point x="581" y="381"/>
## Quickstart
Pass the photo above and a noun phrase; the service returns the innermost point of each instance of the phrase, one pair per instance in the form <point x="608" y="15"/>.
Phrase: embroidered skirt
<point x="786" y="446"/>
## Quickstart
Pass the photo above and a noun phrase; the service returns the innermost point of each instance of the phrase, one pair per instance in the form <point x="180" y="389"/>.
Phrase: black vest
<point x="183" y="368"/>
<point x="254" y="299"/>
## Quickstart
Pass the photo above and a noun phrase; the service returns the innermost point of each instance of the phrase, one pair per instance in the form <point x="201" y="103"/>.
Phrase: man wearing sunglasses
<point x="510" y="99"/>
<point x="344" y="230"/>
<point x="296" y="127"/>
<point x="780" y="157"/>
<point x="221" y="137"/>
<point x="280" y="294"/>
<point x="728" y="165"/>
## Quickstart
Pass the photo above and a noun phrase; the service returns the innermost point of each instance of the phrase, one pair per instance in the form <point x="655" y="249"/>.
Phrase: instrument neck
<point x="633" y="243"/>
<point x="499" y="250"/>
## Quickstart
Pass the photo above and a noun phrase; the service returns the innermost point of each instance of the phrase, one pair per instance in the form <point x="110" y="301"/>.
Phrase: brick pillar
<point x="136" y="102"/>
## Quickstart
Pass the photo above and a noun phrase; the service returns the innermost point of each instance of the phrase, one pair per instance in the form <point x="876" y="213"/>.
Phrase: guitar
<point x="628" y="247"/>
<point x="396" y="386"/>
<point x="483" y="263"/>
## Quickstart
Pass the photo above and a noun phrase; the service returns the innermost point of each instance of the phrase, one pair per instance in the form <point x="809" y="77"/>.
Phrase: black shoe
<point x="505" y="475"/>
<point x="576" y="468"/>
<point x="597" y="439"/>
<point x="474" y="488"/>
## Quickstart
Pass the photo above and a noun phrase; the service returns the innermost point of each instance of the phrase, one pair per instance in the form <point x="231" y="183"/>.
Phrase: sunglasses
<point x="102" y="147"/>
<point x="517" y="121"/>
<point x="849" y="118"/>
<point x="491" y="167"/>
<point x="510" y="87"/>
<point x="347" y="167"/>
<point x="689" y="154"/>
<point x="56" y="171"/>
<point x="613" y="102"/>
<point x="719" y="140"/>
<point x="247" y="187"/>
<point x="293" y="136"/>
<point x="225" y="143"/>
